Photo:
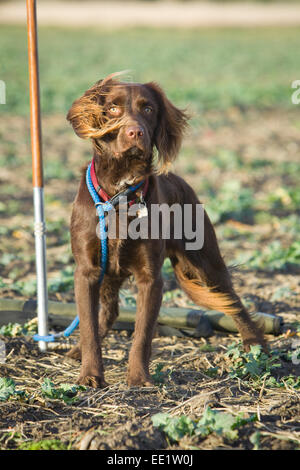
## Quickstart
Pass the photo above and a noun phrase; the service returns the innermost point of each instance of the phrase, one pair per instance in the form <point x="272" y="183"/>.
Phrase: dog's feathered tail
<point x="207" y="296"/>
<point x="249" y="325"/>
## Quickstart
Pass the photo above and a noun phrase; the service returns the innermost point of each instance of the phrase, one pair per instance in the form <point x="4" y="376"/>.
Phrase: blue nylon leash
<point x="101" y="208"/>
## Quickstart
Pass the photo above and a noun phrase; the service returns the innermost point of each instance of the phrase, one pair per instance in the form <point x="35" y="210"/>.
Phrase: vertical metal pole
<point x="37" y="173"/>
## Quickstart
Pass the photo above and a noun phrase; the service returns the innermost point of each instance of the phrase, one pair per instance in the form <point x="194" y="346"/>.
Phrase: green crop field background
<point x="206" y="68"/>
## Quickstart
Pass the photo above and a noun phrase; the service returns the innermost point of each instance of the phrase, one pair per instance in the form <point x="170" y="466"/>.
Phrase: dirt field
<point x="260" y="150"/>
<point x="120" y="418"/>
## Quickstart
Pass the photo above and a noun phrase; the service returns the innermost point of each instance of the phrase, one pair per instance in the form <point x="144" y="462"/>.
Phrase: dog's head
<point x="127" y="120"/>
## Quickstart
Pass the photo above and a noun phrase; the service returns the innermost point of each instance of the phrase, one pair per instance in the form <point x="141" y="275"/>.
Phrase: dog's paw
<point x="139" y="380"/>
<point x="74" y="353"/>
<point x="92" y="381"/>
<point x="247" y="343"/>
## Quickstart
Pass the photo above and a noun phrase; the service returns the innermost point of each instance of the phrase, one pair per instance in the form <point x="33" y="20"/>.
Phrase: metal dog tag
<point x="142" y="210"/>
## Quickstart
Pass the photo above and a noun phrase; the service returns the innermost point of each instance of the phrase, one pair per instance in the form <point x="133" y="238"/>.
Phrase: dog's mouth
<point x="134" y="152"/>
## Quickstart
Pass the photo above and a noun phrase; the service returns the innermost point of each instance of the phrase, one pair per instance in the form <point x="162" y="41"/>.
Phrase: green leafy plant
<point x="252" y="364"/>
<point x="212" y="372"/>
<point x="222" y="423"/>
<point x="255" y="440"/>
<point x="66" y="392"/>
<point x="212" y="421"/>
<point x="11" y="329"/>
<point x="218" y="422"/>
<point x="288" y="225"/>
<point x="284" y="198"/>
<point x="56" y="169"/>
<point x="64" y="282"/>
<point x="46" y="444"/>
<point x="274" y="257"/>
<point x="172" y="295"/>
<point x="16" y="329"/>
<point x="175" y="427"/>
<point x="227" y="160"/>
<point x="232" y="201"/>
<point x="289" y="380"/>
<point x="127" y="298"/>
<point x="27" y="288"/>
<point x="167" y="269"/>
<point x="257" y="366"/>
<point x="8" y="389"/>
<point x="158" y="376"/>
<point x="258" y="163"/>
<point x="283" y="292"/>
<point x="206" y="347"/>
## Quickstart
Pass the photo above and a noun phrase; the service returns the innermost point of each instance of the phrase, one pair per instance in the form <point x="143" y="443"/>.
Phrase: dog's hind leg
<point x="75" y="352"/>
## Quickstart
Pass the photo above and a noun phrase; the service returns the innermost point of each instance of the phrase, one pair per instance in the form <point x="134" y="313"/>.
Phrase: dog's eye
<point x="114" y="110"/>
<point x="148" y="109"/>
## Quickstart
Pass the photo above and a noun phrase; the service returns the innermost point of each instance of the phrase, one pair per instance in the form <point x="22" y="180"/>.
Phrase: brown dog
<point x="126" y="122"/>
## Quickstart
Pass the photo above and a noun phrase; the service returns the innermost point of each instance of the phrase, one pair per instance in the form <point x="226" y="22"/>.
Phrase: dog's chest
<point x="119" y="244"/>
<point x="114" y="256"/>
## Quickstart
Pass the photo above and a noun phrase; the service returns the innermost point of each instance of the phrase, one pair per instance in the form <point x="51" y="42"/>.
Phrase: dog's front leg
<point x="148" y="305"/>
<point x="87" y="300"/>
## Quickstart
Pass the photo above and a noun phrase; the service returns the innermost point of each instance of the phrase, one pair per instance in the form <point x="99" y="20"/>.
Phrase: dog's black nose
<point x="134" y="132"/>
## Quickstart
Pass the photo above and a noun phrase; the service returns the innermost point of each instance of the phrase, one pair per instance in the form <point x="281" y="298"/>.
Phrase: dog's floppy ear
<point x="170" y="128"/>
<point x="85" y="114"/>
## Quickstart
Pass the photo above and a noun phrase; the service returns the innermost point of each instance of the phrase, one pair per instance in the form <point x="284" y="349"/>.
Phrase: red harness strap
<point x="103" y="195"/>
